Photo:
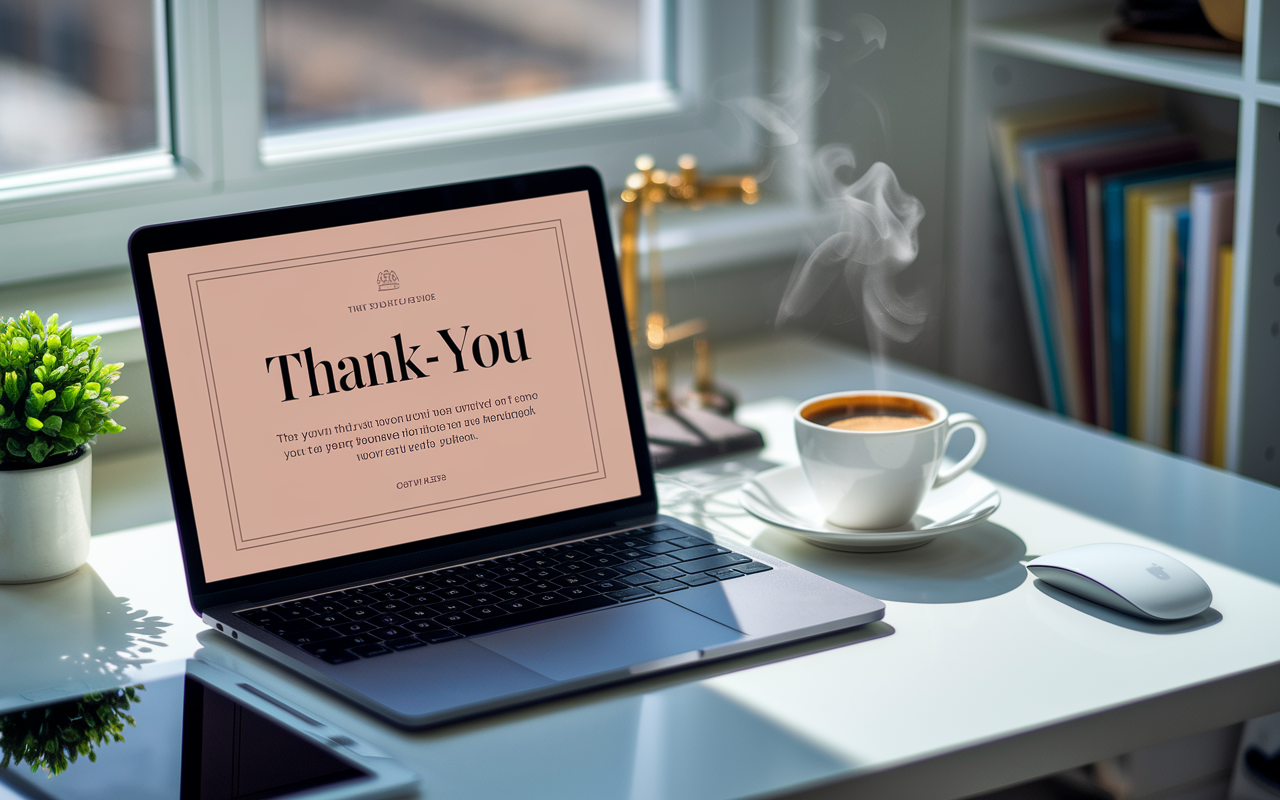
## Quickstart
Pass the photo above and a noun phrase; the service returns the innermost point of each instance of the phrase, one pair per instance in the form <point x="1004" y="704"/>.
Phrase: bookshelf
<point x="1015" y="52"/>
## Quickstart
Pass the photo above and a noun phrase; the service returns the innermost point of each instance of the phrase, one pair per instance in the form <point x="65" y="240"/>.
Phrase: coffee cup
<point x="871" y="456"/>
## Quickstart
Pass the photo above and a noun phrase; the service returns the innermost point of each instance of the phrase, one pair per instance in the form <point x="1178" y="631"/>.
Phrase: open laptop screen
<point x="368" y="385"/>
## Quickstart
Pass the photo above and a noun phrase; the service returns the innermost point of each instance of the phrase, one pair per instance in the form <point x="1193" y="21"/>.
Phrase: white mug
<point x="877" y="479"/>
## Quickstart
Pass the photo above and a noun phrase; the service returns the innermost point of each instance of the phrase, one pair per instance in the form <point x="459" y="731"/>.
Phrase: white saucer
<point x="782" y="497"/>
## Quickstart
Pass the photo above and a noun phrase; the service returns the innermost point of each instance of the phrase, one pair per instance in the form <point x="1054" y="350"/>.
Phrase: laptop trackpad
<point x="608" y="639"/>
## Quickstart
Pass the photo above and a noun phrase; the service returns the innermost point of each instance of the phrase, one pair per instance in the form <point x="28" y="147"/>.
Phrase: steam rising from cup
<point x="868" y="234"/>
<point x="866" y="231"/>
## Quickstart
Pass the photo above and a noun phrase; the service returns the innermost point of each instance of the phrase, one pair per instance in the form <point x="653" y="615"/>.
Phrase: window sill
<point x="109" y="173"/>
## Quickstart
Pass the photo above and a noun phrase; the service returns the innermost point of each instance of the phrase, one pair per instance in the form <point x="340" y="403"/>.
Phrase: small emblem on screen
<point x="388" y="281"/>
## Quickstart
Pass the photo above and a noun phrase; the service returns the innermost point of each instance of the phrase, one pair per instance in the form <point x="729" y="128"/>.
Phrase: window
<point x="261" y="103"/>
<point x="79" y="81"/>
<point x="329" y="62"/>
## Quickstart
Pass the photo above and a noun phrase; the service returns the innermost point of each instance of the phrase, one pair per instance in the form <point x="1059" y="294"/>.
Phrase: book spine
<point x="1117" y="304"/>
<point x="1197" y="387"/>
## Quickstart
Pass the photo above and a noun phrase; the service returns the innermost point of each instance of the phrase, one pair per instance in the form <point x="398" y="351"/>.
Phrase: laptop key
<point x="514" y="593"/>
<point x="687" y="541"/>
<point x="339" y="657"/>
<point x="724" y="574"/>
<point x="388" y="632"/>
<point x="609" y="586"/>
<point x="546" y="598"/>
<point x="661" y="534"/>
<point x="488" y="612"/>
<point x="630" y="593"/>
<point x="574" y="592"/>
<point x="295" y="613"/>
<point x="436" y="637"/>
<point x="448" y="607"/>
<point x="370" y="650"/>
<point x="259" y="617"/>
<point x="660" y="548"/>
<point x="391" y="606"/>
<point x="360" y="612"/>
<point x="659" y="561"/>
<point x="290" y="626"/>
<point x="348" y="628"/>
<point x="536" y="615"/>
<point x="629" y="567"/>
<point x="336" y="645"/>
<point x="665" y="573"/>
<point x="639" y="579"/>
<point x="483" y="600"/>
<point x="754" y="566"/>
<point x="696" y="579"/>
<point x="513" y="606"/>
<point x="712" y="562"/>
<point x="407" y="643"/>
<point x="702" y="551"/>
<point x="329" y="620"/>
<point x="453" y="620"/>
<point x="309" y="637"/>
<point x="330" y="607"/>
<point x="454" y="593"/>
<point x="662" y="587"/>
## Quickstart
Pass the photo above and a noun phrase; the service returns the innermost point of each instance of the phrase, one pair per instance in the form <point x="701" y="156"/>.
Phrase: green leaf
<point x="12" y="389"/>
<point x="15" y="448"/>
<point x="35" y="404"/>
<point x="38" y="450"/>
<point x="34" y="424"/>
<point x="69" y="397"/>
<point x="52" y="425"/>
<point x="9" y="421"/>
<point x="49" y="360"/>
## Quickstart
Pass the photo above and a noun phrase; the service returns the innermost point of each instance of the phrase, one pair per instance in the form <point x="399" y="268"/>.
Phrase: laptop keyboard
<point x="503" y="592"/>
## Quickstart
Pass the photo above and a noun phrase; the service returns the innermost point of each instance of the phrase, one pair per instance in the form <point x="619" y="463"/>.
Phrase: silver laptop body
<point x="463" y="518"/>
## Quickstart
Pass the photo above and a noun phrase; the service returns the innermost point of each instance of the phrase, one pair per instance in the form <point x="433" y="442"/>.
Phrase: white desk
<point x="985" y="680"/>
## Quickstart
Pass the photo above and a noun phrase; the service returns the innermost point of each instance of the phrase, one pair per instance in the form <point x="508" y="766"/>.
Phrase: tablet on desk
<point x="195" y="733"/>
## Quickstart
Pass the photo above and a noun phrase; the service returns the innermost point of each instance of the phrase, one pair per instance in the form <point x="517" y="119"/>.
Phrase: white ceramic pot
<point x="44" y="520"/>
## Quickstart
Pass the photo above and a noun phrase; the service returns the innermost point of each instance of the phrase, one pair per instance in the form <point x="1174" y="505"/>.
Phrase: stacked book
<point x="1122" y="233"/>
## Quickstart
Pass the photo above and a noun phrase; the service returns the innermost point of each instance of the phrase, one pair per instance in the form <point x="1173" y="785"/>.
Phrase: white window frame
<point x="78" y="218"/>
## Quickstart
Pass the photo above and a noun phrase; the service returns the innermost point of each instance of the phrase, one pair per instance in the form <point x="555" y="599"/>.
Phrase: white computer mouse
<point x="1136" y="580"/>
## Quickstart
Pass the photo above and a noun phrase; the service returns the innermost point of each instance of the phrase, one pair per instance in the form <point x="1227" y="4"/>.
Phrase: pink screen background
<point x="276" y="473"/>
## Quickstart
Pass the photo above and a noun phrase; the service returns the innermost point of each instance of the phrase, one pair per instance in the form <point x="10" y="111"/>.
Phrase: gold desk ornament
<point x="646" y="190"/>
<point x="701" y="426"/>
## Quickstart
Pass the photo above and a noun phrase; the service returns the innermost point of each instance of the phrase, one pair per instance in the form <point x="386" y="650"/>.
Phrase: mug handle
<point x="955" y="422"/>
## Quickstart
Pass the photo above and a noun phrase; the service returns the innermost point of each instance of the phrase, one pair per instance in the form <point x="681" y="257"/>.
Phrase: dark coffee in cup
<point x="870" y="413"/>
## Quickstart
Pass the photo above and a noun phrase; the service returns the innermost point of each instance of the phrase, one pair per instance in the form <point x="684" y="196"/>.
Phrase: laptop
<point x="408" y="459"/>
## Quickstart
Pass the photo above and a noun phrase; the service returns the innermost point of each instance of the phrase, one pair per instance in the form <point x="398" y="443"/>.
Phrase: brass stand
<point x="701" y="426"/>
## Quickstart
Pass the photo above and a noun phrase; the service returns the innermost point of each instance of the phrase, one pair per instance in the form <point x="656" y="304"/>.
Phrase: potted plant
<point x="54" y="400"/>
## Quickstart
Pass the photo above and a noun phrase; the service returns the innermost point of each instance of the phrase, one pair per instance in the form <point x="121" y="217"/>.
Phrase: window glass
<point x="334" y="61"/>
<point x="77" y="81"/>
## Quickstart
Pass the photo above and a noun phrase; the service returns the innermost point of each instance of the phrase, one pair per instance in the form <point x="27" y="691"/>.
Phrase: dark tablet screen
<point x="171" y="738"/>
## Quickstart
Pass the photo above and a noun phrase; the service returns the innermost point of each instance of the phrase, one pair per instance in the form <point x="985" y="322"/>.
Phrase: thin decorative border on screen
<point x="243" y="542"/>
